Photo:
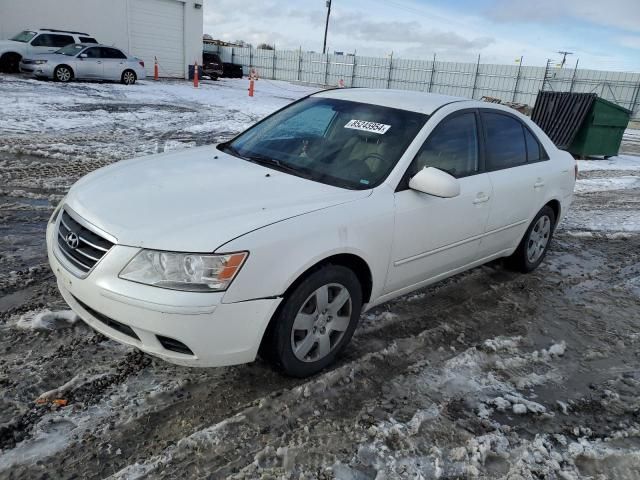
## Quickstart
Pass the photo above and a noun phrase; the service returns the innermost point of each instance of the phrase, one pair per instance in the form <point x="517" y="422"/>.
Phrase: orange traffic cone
<point x="155" y="68"/>
<point x="196" y="81"/>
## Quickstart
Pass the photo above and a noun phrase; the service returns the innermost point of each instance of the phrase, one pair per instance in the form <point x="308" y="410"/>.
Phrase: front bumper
<point x="215" y="333"/>
<point x="37" y="70"/>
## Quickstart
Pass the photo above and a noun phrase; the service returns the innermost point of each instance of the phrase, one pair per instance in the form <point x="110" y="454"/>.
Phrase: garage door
<point x="157" y="29"/>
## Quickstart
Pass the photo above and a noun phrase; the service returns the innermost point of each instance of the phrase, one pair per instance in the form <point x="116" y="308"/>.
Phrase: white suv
<point x="280" y="238"/>
<point x="32" y="42"/>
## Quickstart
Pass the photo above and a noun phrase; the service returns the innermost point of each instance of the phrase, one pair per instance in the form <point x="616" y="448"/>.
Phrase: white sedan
<point x="276" y="241"/>
<point x="85" y="61"/>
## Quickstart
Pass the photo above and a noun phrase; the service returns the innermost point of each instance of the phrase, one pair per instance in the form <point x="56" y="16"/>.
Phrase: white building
<point x="170" y="30"/>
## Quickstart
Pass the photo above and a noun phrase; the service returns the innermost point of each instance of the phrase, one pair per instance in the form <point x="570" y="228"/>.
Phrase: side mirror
<point x="83" y="56"/>
<point x="435" y="182"/>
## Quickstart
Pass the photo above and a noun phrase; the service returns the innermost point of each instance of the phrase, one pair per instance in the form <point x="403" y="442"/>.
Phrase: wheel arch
<point x="352" y="261"/>
<point x="555" y="205"/>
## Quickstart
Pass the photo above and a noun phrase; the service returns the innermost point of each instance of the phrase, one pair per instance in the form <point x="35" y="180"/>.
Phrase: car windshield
<point x="24" y="36"/>
<point x="346" y="144"/>
<point x="71" y="50"/>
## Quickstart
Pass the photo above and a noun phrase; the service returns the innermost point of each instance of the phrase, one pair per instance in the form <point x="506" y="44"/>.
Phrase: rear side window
<point x="112" y="53"/>
<point x="452" y="147"/>
<point x="505" y="143"/>
<point x="533" y="147"/>
<point x="88" y="40"/>
<point x="52" y="40"/>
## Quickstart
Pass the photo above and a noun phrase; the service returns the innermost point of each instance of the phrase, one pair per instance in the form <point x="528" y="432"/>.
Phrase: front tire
<point x="63" y="74"/>
<point x="10" y="63"/>
<point x="535" y="243"/>
<point x="128" y="77"/>
<point x="315" y="321"/>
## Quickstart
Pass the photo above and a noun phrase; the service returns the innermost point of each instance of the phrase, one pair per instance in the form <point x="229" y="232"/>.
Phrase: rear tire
<point x="128" y="77"/>
<point x="314" y="322"/>
<point x="63" y="74"/>
<point x="10" y="63"/>
<point x="535" y="243"/>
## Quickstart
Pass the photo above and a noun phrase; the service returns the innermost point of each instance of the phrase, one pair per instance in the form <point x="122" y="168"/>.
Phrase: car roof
<point x="421" y="102"/>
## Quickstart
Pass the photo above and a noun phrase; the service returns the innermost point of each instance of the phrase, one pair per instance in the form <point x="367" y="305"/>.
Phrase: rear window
<point x="88" y="40"/>
<point x="505" y="143"/>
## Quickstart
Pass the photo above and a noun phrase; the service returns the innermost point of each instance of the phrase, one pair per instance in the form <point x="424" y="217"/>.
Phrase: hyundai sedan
<point x="85" y="61"/>
<point x="276" y="241"/>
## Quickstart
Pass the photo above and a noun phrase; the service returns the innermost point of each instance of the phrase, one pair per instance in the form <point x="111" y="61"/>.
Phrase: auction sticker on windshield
<point x="372" y="127"/>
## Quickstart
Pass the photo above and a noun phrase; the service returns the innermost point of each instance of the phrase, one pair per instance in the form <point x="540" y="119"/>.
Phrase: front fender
<point x="282" y="252"/>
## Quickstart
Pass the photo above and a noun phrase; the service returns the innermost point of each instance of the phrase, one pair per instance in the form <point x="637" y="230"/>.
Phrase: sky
<point x="602" y="34"/>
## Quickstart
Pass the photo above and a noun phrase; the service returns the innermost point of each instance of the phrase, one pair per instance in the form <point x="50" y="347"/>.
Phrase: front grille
<point x="81" y="247"/>
<point x="109" y="322"/>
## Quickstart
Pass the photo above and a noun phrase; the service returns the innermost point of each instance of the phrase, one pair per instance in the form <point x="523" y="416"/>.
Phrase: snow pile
<point x="46" y="320"/>
<point x="589" y="185"/>
<point x="621" y="162"/>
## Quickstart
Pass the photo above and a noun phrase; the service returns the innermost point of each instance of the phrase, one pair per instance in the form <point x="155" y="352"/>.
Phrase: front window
<point x="71" y="50"/>
<point x="24" y="37"/>
<point x="341" y="143"/>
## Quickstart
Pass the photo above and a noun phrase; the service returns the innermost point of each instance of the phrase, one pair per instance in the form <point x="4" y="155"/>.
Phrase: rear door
<point x="49" y="42"/>
<point x="434" y="236"/>
<point x="91" y="66"/>
<point x="114" y="63"/>
<point x="517" y="168"/>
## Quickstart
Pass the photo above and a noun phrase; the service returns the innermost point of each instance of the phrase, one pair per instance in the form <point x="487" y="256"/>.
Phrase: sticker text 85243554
<point x="372" y="127"/>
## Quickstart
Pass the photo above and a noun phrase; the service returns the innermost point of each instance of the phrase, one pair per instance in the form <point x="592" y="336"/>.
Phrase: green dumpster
<point x="581" y="123"/>
<point x="602" y="130"/>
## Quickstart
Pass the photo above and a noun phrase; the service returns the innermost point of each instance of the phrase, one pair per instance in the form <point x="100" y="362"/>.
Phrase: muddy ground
<point x="489" y="374"/>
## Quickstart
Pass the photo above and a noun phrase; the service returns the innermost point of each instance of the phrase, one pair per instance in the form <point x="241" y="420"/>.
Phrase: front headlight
<point x="193" y="272"/>
<point x="40" y="62"/>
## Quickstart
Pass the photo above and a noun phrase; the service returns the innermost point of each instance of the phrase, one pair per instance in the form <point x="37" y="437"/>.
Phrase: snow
<point x="605" y="184"/>
<point x="47" y="320"/>
<point x="621" y="162"/>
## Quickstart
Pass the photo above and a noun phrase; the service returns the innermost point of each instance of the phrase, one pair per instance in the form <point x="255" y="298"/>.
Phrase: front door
<point x="434" y="236"/>
<point x="90" y="66"/>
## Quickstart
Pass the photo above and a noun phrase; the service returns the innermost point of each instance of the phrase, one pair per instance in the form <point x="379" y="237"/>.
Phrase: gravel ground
<point x="489" y="374"/>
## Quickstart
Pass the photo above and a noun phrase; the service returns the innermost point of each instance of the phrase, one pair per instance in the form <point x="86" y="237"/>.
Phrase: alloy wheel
<point x="129" y="78"/>
<point x="63" y="74"/>
<point x="538" y="238"/>
<point x="321" y="322"/>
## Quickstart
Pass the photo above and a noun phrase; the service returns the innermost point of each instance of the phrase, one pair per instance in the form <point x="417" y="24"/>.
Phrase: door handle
<point x="98" y="61"/>
<point x="481" y="198"/>
<point x="539" y="183"/>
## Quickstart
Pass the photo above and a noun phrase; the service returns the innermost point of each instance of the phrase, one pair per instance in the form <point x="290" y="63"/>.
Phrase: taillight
<point x="141" y="62"/>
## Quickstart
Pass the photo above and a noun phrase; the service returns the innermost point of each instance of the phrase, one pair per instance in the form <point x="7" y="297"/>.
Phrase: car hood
<point x="11" y="44"/>
<point x="194" y="200"/>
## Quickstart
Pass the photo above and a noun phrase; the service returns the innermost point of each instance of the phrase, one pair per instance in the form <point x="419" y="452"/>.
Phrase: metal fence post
<point x="273" y="66"/>
<point x="433" y="69"/>
<point x="515" y="86"/>
<point x="634" y="100"/>
<point x="250" y="57"/>
<point x="300" y="64"/>
<point x="232" y="54"/>
<point x="353" y="71"/>
<point x="475" y="78"/>
<point x="326" y="68"/>
<point x="573" y="77"/>
<point x="390" y="68"/>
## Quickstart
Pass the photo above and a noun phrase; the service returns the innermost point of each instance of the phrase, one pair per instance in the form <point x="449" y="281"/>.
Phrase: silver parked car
<point x="85" y="61"/>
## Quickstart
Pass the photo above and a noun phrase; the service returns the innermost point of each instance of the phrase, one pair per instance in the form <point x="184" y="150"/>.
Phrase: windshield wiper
<point x="271" y="162"/>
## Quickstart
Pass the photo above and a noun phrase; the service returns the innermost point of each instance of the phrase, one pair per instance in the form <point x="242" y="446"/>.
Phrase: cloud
<point x="623" y="14"/>
<point x="630" y="41"/>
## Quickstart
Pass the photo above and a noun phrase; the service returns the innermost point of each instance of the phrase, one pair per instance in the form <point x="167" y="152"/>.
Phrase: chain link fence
<point x="511" y="83"/>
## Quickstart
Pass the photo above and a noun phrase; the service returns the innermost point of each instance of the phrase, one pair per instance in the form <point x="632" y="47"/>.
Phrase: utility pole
<point x="564" y="57"/>
<point x="326" y="27"/>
